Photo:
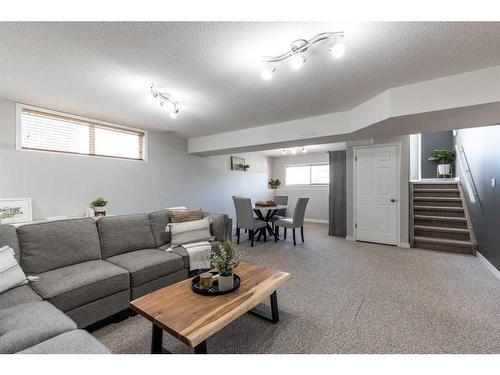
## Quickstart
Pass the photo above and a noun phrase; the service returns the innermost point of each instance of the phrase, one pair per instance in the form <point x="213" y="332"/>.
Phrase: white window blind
<point x="45" y="131"/>
<point x="314" y="174"/>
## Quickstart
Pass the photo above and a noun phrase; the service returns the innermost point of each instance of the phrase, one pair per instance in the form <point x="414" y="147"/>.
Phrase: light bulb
<point x="297" y="61"/>
<point x="337" y="50"/>
<point x="283" y="151"/>
<point x="268" y="72"/>
<point x="294" y="151"/>
<point x="304" y="150"/>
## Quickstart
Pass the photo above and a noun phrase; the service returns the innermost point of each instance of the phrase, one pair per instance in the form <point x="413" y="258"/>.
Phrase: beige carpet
<point x="350" y="297"/>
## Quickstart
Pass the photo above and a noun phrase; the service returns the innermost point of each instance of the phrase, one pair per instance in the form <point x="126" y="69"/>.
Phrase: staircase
<point x="439" y="219"/>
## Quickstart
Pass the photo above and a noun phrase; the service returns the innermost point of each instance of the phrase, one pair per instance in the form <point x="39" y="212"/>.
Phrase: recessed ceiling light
<point x="304" y="150"/>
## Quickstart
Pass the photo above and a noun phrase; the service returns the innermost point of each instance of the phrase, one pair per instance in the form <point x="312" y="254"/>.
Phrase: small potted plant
<point x="225" y="259"/>
<point x="274" y="183"/>
<point x="99" y="206"/>
<point x="443" y="158"/>
<point x="245" y="167"/>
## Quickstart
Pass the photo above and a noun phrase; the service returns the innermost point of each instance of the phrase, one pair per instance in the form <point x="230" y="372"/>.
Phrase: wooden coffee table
<point x="193" y="318"/>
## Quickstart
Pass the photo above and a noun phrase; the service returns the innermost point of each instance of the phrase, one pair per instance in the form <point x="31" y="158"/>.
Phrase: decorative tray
<point x="214" y="290"/>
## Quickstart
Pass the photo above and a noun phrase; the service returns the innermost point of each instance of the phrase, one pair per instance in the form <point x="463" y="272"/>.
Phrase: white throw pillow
<point x="190" y="231"/>
<point x="11" y="274"/>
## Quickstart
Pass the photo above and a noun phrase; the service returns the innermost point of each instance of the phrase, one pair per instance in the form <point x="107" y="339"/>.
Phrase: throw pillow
<point x="178" y="216"/>
<point x="11" y="274"/>
<point x="190" y="231"/>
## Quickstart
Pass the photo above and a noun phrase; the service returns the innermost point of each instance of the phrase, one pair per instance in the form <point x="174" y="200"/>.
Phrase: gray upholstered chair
<point x="280" y="214"/>
<point x="296" y="222"/>
<point x="245" y="220"/>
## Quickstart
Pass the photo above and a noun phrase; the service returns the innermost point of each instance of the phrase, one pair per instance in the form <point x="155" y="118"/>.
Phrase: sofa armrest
<point x="219" y="225"/>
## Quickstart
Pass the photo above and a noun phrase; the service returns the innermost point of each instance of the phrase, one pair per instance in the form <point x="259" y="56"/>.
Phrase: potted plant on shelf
<point x="274" y="183"/>
<point x="245" y="167"/>
<point x="443" y="158"/>
<point x="99" y="206"/>
<point x="225" y="259"/>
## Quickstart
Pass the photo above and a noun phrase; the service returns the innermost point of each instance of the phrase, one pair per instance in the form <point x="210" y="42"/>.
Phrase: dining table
<point x="266" y="213"/>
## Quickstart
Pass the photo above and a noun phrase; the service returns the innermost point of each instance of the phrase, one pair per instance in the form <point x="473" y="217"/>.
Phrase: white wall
<point x="404" y="141"/>
<point x="317" y="208"/>
<point x="63" y="185"/>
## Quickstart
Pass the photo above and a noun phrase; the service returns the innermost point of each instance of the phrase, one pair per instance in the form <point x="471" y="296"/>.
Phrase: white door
<point x="376" y="189"/>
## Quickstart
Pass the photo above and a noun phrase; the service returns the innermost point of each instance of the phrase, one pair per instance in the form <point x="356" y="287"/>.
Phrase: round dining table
<point x="266" y="213"/>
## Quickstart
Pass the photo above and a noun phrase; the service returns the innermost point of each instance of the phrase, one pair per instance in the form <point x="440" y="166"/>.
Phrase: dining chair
<point x="280" y="214"/>
<point x="246" y="220"/>
<point x="297" y="221"/>
<point x="239" y="196"/>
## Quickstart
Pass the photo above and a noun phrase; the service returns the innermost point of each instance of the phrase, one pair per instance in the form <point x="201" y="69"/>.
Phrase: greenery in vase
<point x="226" y="258"/>
<point x="443" y="156"/>
<point x="99" y="202"/>
<point x="274" y="183"/>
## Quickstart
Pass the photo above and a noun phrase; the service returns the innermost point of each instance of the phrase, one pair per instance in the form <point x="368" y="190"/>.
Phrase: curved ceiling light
<point x="297" y="50"/>
<point x="165" y="100"/>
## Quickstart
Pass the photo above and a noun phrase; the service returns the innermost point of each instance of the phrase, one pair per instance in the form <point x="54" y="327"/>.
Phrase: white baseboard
<point x="404" y="245"/>
<point x="490" y="266"/>
<point x="316" y="221"/>
<point x="349" y="238"/>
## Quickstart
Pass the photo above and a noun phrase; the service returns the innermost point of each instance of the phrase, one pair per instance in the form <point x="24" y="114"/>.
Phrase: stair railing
<point x="468" y="179"/>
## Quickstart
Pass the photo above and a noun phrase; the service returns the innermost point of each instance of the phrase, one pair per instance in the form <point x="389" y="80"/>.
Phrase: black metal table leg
<point x="274" y="316"/>
<point x="201" y="348"/>
<point x="156" y="340"/>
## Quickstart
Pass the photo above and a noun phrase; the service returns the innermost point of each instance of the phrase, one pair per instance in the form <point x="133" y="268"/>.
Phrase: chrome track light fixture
<point x="165" y="100"/>
<point x="296" y="54"/>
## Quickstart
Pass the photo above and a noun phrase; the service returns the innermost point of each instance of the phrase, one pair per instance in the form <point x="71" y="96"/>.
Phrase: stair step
<point x="460" y="234"/>
<point x="440" y="190"/>
<point x="452" y="193"/>
<point x="453" y="246"/>
<point x="440" y="221"/>
<point x="438" y="201"/>
<point x="439" y="211"/>
<point x="447" y="185"/>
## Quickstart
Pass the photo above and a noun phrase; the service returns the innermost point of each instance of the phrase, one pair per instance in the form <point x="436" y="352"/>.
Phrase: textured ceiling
<point x="104" y="70"/>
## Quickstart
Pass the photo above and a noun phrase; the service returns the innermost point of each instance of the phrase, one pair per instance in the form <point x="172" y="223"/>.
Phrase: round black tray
<point x="214" y="290"/>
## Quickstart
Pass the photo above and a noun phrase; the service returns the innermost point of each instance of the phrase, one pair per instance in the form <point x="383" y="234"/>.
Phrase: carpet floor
<point x="348" y="297"/>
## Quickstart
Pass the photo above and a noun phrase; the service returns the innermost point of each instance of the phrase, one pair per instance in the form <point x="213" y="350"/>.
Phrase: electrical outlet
<point x="493" y="182"/>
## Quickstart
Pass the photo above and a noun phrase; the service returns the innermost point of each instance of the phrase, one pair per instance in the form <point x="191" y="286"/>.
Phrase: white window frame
<point x="21" y="106"/>
<point x="305" y="165"/>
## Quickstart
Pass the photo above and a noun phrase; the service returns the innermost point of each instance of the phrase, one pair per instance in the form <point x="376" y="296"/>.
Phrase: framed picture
<point x="237" y="163"/>
<point x="15" y="210"/>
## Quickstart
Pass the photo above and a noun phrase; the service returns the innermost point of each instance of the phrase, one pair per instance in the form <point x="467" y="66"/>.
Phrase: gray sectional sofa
<point x="87" y="271"/>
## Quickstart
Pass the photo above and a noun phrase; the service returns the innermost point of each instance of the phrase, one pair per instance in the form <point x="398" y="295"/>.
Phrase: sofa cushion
<point x="8" y="237"/>
<point x="25" y="325"/>
<point x="17" y="296"/>
<point x="55" y="244"/>
<point x="76" y="285"/>
<point x="159" y="221"/>
<point x="148" y="264"/>
<point x="125" y="233"/>
<point x="73" y="342"/>
<point x="218" y="227"/>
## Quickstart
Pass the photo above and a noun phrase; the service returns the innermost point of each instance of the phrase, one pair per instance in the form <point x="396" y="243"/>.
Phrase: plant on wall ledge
<point x="443" y="158"/>
<point x="99" y="205"/>
<point x="274" y="183"/>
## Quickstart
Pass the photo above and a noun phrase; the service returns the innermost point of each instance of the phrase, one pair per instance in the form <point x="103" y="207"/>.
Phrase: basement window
<point x="312" y="174"/>
<point x="43" y="130"/>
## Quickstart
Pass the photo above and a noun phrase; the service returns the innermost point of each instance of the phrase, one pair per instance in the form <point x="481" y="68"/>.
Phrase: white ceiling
<point x="309" y="149"/>
<point x="104" y="70"/>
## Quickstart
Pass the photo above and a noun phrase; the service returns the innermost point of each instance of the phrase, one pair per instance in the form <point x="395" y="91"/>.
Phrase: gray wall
<point x="317" y="208"/>
<point x="405" y="174"/>
<point x="482" y="148"/>
<point x="337" y="194"/>
<point x="63" y="185"/>
<point x="429" y="143"/>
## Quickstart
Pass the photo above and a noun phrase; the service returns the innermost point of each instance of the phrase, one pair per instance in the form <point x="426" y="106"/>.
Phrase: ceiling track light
<point x="165" y="99"/>
<point x="297" y="50"/>
<point x="293" y="150"/>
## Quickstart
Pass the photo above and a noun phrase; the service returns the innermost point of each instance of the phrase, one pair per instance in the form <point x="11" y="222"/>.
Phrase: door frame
<point x="398" y="188"/>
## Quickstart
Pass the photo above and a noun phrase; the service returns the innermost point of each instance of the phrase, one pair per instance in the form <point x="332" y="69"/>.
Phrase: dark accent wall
<point x="430" y="142"/>
<point x="337" y="196"/>
<point x="482" y="149"/>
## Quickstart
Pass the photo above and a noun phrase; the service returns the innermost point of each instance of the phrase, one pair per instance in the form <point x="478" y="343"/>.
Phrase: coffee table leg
<point x="274" y="317"/>
<point x="156" y="340"/>
<point x="201" y="348"/>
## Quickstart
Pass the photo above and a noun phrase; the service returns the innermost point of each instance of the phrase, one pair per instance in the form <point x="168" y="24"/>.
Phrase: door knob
<point x="393" y="200"/>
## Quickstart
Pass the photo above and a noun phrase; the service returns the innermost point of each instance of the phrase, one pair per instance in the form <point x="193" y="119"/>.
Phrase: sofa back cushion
<point x="125" y="233"/>
<point x="8" y="237"/>
<point x="55" y="244"/>
<point x="159" y="221"/>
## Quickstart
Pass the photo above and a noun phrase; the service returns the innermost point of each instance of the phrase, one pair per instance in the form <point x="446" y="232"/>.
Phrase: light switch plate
<point x="493" y="182"/>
